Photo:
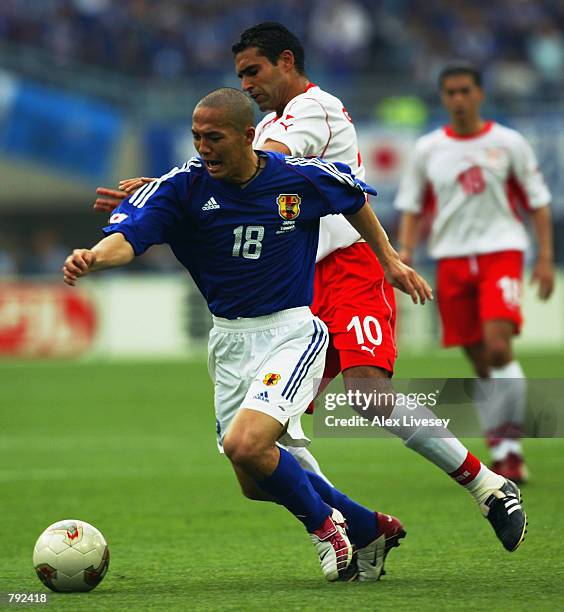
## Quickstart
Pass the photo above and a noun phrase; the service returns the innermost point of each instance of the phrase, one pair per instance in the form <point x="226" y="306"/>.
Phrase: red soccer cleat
<point x="370" y="559"/>
<point x="333" y="546"/>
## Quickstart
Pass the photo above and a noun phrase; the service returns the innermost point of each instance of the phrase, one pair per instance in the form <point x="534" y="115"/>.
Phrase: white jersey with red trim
<point x="473" y="186"/>
<point x="316" y="124"/>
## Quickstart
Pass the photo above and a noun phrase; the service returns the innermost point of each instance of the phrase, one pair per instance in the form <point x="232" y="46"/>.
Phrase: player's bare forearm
<point x="542" y="222"/>
<point x="543" y="271"/>
<point x="398" y="274"/>
<point x="110" y="252"/>
<point x="408" y="235"/>
<point x="366" y="223"/>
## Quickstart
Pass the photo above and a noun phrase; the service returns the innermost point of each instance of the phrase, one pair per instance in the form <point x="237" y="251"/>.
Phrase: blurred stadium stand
<point x="94" y="90"/>
<point x="105" y="47"/>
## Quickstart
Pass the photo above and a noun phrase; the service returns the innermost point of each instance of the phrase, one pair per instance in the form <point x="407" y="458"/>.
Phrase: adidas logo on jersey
<point x="263" y="396"/>
<point x="211" y="204"/>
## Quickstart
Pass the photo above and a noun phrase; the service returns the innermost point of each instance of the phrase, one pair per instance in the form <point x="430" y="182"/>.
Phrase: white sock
<point x="515" y="392"/>
<point x="500" y="451"/>
<point x="501" y="404"/>
<point x="484" y="484"/>
<point x="437" y="444"/>
<point x="488" y="406"/>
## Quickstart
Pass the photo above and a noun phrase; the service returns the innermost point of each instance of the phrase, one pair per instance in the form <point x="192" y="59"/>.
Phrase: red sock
<point x="469" y="469"/>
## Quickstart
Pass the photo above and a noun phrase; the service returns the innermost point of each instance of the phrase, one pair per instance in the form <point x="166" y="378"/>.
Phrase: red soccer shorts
<point x="472" y="290"/>
<point x="358" y="306"/>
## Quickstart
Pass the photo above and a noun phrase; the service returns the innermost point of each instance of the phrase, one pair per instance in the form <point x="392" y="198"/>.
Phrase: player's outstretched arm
<point x="543" y="272"/>
<point x="408" y="235"/>
<point x="398" y="274"/>
<point x="110" y="252"/>
<point x="112" y="198"/>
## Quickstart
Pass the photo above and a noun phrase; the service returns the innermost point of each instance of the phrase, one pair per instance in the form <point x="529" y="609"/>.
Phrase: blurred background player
<point x="351" y="294"/>
<point x="475" y="177"/>
<point x="222" y="215"/>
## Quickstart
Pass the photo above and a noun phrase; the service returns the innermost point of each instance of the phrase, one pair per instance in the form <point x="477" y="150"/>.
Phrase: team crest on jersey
<point x="271" y="379"/>
<point x="288" y="205"/>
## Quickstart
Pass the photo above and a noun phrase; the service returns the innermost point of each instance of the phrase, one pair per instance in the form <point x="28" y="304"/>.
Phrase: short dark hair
<point x="271" y="38"/>
<point x="460" y="67"/>
<point x="236" y="106"/>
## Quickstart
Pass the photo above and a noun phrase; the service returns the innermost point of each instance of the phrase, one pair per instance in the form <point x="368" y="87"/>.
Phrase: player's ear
<point x="287" y="60"/>
<point x="250" y="134"/>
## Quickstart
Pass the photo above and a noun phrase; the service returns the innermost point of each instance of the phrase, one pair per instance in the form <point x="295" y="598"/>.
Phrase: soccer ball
<point x="71" y="556"/>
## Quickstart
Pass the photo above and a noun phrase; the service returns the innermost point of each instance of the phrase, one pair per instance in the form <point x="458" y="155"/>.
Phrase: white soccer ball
<point x="71" y="556"/>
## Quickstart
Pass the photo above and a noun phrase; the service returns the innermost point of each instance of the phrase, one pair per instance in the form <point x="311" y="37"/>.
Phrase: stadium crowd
<point x="518" y="42"/>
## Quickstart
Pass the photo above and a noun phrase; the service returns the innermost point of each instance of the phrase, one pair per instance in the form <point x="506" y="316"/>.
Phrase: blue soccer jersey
<point x="251" y="250"/>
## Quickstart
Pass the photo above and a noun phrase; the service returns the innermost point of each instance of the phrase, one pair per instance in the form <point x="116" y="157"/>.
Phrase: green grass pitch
<point x="130" y="448"/>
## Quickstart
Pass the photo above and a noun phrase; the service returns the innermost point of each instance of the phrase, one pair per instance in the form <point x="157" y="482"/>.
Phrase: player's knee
<point x="371" y="390"/>
<point x="481" y="368"/>
<point x="230" y="446"/>
<point x="498" y="351"/>
<point x="242" y="448"/>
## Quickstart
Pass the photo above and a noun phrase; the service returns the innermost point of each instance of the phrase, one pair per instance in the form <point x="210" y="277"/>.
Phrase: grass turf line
<point x="130" y="448"/>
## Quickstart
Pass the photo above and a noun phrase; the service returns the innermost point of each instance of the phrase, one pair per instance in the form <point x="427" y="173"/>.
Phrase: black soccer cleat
<point x="505" y="513"/>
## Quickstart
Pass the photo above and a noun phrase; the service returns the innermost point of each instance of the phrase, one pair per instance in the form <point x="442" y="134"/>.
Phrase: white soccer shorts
<point x="272" y="364"/>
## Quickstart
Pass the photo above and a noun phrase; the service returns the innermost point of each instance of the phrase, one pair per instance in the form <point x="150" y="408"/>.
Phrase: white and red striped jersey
<point x="474" y="187"/>
<point x="316" y="124"/>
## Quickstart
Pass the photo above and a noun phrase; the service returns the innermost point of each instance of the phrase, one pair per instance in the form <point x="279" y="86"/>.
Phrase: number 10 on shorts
<point x="369" y="330"/>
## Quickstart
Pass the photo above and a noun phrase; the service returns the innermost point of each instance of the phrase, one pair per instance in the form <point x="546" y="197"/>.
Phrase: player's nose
<point x="204" y="148"/>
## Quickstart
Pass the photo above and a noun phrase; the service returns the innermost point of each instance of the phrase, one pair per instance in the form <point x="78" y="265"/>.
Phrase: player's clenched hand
<point x="132" y="185"/>
<point x="111" y="199"/>
<point x="543" y="274"/>
<point x="406" y="279"/>
<point x="78" y="264"/>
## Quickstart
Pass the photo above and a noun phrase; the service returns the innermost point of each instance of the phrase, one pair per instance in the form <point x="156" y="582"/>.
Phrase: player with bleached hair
<point x="476" y="178"/>
<point x="235" y="218"/>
